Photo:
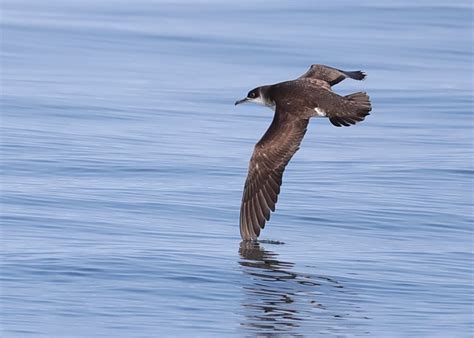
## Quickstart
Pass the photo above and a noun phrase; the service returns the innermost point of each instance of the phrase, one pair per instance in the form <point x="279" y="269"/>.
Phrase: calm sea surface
<point x="123" y="162"/>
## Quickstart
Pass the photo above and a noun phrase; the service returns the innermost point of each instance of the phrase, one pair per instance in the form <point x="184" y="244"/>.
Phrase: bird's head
<point x="258" y="95"/>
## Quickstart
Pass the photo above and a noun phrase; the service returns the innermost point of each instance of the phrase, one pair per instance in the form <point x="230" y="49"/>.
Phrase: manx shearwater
<point x="294" y="102"/>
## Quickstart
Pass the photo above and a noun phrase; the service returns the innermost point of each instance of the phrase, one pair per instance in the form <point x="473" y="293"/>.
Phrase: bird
<point x="294" y="102"/>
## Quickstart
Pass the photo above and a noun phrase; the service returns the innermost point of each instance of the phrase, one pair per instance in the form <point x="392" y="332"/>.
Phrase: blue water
<point x="123" y="163"/>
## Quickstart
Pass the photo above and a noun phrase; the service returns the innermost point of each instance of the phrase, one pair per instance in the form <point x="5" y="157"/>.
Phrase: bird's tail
<point x="359" y="109"/>
<point x="361" y="100"/>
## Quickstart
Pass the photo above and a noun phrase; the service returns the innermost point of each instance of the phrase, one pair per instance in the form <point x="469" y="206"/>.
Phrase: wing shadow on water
<point x="278" y="300"/>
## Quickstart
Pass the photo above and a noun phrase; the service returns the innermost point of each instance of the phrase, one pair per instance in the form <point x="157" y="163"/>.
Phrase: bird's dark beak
<point x="241" y="101"/>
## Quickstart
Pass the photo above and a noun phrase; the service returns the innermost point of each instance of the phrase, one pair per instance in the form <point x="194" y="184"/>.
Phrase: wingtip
<point x="357" y="75"/>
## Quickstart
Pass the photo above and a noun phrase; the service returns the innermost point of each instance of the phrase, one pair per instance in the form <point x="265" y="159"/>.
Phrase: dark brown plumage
<point x="295" y="102"/>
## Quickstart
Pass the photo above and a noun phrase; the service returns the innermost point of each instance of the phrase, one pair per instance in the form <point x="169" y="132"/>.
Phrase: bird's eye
<point x="252" y="95"/>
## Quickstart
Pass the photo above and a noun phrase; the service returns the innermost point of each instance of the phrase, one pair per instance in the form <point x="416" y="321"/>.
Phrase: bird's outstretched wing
<point x="331" y="75"/>
<point x="269" y="159"/>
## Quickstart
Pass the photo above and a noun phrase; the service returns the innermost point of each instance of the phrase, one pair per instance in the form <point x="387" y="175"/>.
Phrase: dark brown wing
<point x="269" y="159"/>
<point x="331" y="75"/>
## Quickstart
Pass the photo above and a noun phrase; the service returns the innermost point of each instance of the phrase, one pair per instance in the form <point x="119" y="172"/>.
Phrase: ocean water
<point x="124" y="158"/>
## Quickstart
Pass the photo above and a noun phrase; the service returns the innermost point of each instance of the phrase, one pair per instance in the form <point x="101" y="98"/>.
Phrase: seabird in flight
<point x="294" y="102"/>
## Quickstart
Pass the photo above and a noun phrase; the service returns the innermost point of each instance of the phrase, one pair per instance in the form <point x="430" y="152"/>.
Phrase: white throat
<point x="259" y="100"/>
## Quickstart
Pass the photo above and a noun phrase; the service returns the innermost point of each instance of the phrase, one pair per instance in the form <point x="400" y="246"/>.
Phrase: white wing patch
<point x="320" y="112"/>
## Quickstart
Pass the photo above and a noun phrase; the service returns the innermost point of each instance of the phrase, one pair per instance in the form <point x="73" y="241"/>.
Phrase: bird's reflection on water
<point x="277" y="299"/>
